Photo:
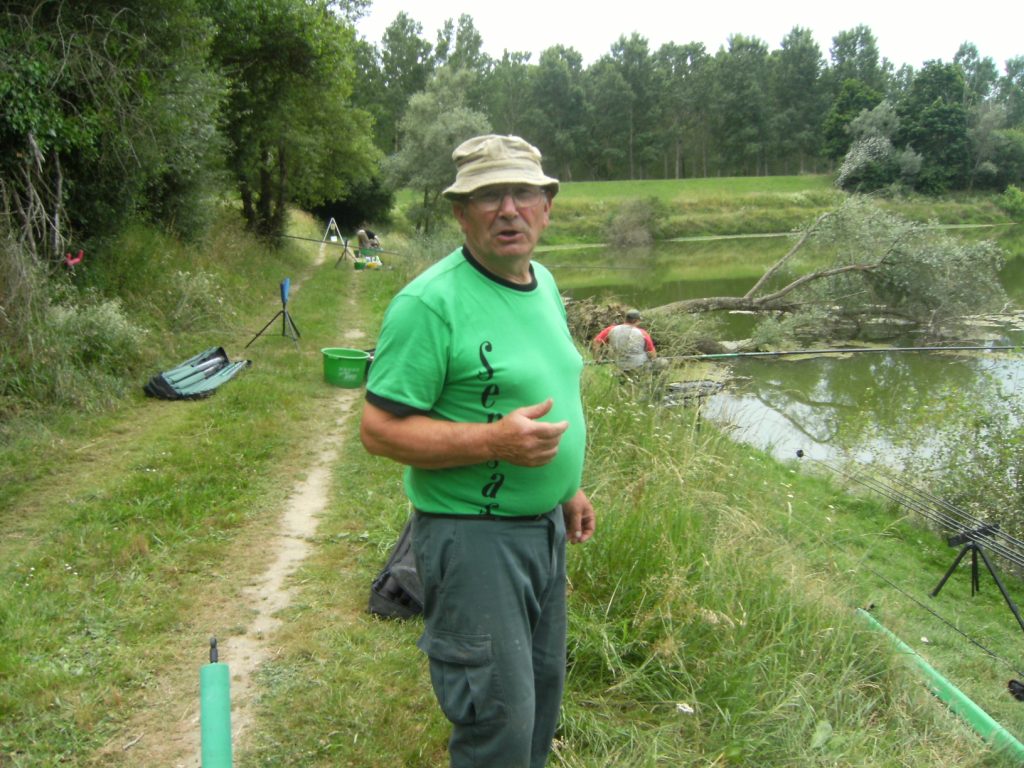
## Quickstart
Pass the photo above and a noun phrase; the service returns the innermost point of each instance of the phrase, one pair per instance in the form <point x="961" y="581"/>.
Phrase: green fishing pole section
<point x="215" y="712"/>
<point x="833" y="351"/>
<point x="989" y="730"/>
<point x="846" y="351"/>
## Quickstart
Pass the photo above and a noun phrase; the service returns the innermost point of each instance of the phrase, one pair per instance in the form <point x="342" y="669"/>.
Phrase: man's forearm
<point x="420" y="441"/>
<point x="427" y="443"/>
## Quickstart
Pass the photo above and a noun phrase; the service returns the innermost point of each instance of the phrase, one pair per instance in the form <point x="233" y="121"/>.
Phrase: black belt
<point x="500" y="518"/>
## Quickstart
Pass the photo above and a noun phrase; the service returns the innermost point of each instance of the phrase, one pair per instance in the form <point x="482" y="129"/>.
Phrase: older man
<point x="475" y="386"/>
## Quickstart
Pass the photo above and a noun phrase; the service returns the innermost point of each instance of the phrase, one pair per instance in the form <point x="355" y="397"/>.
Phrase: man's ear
<point x="459" y="212"/>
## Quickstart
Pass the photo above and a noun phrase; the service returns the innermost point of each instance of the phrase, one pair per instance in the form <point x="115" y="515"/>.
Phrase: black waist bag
<point x="396" y="593"/>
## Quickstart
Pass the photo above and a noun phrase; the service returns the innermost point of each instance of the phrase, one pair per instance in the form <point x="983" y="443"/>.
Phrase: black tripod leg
<point x="945" y="578"/>
<point x="291" y="323"/>
<point x="976" y="582"/>
<point x="344" y="253"/>
<point x="264" y="328"/>
<point x="1002" y="588"/>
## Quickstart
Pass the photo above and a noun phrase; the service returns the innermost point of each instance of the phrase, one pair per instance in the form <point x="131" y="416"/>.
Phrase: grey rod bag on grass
<point x="396" y="593"/>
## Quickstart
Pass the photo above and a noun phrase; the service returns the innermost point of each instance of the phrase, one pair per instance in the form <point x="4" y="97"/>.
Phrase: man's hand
<point x="519" y="438"/>
<point x="428" y="443"/>
<point x="579" y="518"/>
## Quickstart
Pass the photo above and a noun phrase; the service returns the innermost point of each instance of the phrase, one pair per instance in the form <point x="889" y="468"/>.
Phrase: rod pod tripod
<point x="968" y="532"/>
<point x="288" y="327"/>
<point x="970" y="544"/>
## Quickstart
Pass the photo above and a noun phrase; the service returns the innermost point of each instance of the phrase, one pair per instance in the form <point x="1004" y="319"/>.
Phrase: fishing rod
<point x="874" y="484"/>
<point x="999" y="541"/>
<point x="841" y="351"/>
<point x="939" y="511"/>
<point x="343" y="244"/>
<point x="862" y="564"/>
<point x="969" y="532"/>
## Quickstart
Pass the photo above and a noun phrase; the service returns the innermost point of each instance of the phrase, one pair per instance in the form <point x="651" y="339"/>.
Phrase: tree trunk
<point x="264" y="200"/>
<point x="632" y="170"/>
<point x="775" y="301"/>
<point x="423" y="225"/>
<point x="247" y="207"/>
<point x="281" y="193"/>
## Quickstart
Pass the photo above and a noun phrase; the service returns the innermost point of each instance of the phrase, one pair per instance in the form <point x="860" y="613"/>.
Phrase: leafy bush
<point x="636" y="222"/>
<point x="193" y="300"/>
<point x="975" y="459"/>
<point x="874" y="163"/>
<point x="915" y="271"/>
<point x="812" y="324"/>
<point x="95" y="333"/>
<point x="60" y="344"/>
<point x="1012" y="201"/>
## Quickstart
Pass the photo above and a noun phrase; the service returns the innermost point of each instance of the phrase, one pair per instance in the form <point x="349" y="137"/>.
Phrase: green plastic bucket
<point x="345" y="367"/>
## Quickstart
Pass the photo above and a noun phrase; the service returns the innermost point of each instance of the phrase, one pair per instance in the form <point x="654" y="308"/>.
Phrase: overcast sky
<point x="907" y="31"/>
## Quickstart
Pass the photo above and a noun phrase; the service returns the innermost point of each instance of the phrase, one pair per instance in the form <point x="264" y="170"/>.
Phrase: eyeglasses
<point x="490" y="200"/>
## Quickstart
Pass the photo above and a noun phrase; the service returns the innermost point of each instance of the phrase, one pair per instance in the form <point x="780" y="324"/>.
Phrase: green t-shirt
<point x="461" y="344"/>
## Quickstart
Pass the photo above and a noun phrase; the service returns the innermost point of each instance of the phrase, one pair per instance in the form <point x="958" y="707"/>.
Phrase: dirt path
<point x="290" y="544"/>
<point x="166" y="733"/>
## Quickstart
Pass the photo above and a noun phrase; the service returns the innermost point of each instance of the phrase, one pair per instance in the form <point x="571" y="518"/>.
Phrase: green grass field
<point x="698" y="190"/>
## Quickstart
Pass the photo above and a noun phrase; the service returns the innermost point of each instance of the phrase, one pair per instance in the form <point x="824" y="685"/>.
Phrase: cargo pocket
<point x="464" y="677"/>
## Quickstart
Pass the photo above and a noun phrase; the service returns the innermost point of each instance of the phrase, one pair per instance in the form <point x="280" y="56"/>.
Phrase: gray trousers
<point x="494" y="596"/>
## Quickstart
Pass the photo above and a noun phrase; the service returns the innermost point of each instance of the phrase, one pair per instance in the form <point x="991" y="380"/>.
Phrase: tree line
<point x="684" y="111"/>
<point x="152" y="108"/>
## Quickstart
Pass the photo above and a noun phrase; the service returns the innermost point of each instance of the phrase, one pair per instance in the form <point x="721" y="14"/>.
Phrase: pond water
<point x="861" y="404"/>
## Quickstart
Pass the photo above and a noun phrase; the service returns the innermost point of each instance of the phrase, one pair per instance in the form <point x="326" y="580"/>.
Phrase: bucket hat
<point x="487" y="160"/>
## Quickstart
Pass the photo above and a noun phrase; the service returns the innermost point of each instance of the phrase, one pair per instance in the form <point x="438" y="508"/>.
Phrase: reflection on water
<point x="752" y="422"/>
<point x="668" y="272"/>
<point x="665" y="272"/>
<point x="862" y="405"/>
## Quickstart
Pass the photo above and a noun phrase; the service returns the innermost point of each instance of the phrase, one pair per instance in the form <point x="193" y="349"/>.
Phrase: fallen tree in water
<point x="859" y="264"/>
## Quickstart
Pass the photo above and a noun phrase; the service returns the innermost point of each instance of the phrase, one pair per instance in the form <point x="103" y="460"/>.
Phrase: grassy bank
<point x="707" y="207"/>
<point x="712" y="621"/>
<point x="712" y="617"/>
<point x="585" y="211"/>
